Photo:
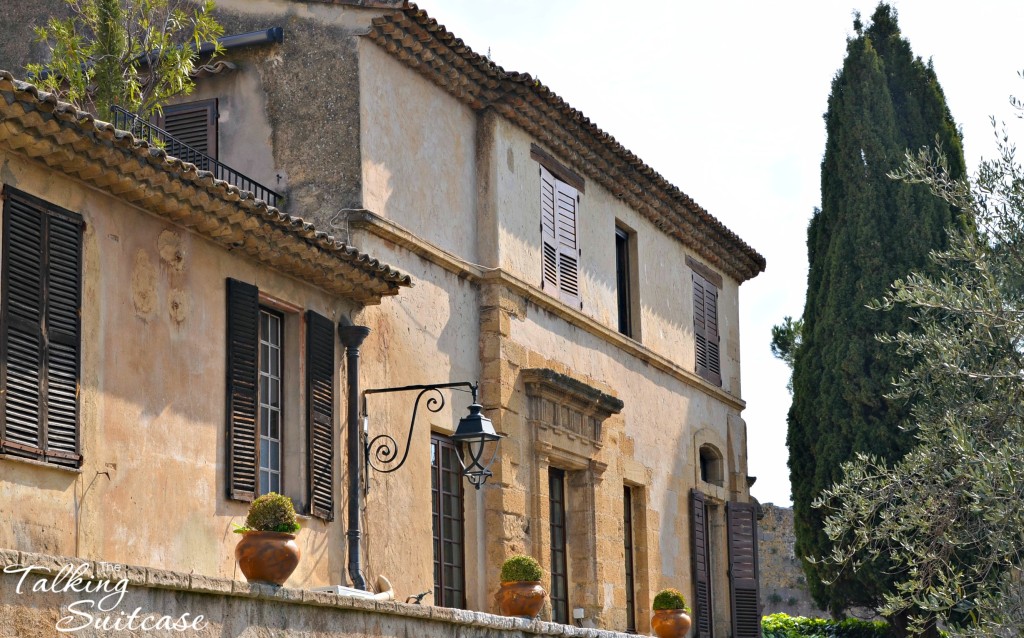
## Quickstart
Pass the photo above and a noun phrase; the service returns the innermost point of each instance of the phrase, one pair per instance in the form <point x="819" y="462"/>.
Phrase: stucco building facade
<point x="596" y="304"/>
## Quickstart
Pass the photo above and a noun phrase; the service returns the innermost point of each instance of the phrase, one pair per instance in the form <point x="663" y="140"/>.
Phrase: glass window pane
<point x="264" y="454"/>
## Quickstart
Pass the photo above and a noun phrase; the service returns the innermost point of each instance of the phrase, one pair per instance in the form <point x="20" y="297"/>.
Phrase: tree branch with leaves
<point x="949" y="515"/>
<point x="136" y="54"/>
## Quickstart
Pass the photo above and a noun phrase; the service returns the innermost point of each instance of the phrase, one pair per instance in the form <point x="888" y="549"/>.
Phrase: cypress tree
<point x="870" y="231"/>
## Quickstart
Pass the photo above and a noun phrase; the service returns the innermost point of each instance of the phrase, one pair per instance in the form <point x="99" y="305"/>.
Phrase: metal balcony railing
<point x="155" y="135"/>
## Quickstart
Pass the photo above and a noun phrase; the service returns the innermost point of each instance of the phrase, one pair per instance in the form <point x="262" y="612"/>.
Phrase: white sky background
<point x="725" y="99"/>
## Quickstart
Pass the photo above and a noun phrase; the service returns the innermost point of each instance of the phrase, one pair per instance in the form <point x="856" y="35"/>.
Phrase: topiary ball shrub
<point x="519" y="568"/>
<point x="271" y="512"/>
<point x="670" y="599"/>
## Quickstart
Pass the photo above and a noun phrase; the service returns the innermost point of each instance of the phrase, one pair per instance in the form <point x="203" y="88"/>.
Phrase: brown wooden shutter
<point x="63" y="338"/>
<point x="711" y="330"/>
<point x="549" y="266"/>
<point x="701" y="565"/>
<point x="566" y="201"/>
<point x="243" y="340"/>
<point x="320" y="402"/>
<point x="195" y="125"/>
<point x="743" y="568"/>
<point x="40" y="331"/>
<point x="705" y="330"/>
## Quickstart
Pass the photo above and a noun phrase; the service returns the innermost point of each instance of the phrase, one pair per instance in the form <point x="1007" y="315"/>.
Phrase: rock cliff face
<point x="783" y="584"/>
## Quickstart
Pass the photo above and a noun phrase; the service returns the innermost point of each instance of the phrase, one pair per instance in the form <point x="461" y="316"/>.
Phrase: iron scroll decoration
<point x="381" y="451"/>
<point x="383" y="448"/>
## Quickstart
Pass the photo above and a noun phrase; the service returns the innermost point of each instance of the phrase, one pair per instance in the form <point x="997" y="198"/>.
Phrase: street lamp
<point x="474" y="431"/>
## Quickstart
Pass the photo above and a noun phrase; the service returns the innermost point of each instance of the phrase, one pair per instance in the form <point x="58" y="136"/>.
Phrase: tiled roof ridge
<point x="301" y="241"/>
<point x="415" y="38"/>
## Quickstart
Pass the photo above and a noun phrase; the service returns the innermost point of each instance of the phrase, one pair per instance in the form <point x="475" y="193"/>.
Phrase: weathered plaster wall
<point x="427" y="335"/>
<point x="665" y="287"/>
<point x="18" y="20"/>
<point x="418" y="151"/>
<point x="653" y="443"/>
<point x="151" y="489"/>
<point x="292" y="109"/>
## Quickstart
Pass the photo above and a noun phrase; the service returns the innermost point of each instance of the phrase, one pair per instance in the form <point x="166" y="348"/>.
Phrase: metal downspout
<point x="352" y="337"/>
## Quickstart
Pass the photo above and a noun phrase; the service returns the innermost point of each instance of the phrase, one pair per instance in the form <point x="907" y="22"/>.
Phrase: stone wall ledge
<point x="148" y="578"/>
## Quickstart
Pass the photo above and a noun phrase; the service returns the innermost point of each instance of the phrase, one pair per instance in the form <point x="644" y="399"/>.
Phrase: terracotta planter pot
<point x="670" y="623"/>
<point x="267" y="557"/>
<point x="523" y="598"/>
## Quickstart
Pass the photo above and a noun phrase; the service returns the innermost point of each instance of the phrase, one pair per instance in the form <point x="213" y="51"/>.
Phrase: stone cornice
<point x="372" y="223"/>
<point x="588" y="399"/>
<point x="416" y="39"/>
<point x="37" y="125"/>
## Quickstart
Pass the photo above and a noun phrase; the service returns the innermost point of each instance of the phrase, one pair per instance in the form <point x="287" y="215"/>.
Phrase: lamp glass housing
<point x="474" y="432"/>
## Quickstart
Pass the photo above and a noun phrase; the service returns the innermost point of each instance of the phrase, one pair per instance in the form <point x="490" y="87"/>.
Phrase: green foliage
<point x="669" y="599"/>
<point x="784" y="626"/>
<point x="270" y="512"/>
<point x="520" y="567"/>
<point x="870" y="231"/>
<point x="786" y="340"/>
<point x="136" y="54"/>
<point x="949" y="516"/>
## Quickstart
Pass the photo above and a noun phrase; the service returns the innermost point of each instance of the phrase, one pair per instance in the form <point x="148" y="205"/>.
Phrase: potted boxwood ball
<point x="267" y="552"/>
<point x="671" y="615"/>
<point x="521" y="593"/>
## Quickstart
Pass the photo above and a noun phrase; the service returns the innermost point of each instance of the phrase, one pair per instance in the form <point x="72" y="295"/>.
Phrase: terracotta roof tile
<point x="36" y="124"/>
<point x="415" y="38"/>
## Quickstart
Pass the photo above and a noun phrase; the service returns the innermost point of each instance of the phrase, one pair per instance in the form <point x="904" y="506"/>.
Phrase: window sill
<point x="51" y="466"/>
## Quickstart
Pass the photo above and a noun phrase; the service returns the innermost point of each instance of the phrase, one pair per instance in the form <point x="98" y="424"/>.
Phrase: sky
<point x="725" y="99"/>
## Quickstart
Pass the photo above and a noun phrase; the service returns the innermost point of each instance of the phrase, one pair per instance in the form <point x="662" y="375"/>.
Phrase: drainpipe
<point x="352" y="337"/>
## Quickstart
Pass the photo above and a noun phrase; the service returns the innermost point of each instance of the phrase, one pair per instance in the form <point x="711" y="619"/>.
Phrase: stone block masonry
<point x="41" y="594"/>
<point x="783" y="584"/>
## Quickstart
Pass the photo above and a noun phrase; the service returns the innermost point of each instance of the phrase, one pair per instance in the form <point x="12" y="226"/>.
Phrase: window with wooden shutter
<point x="40" y="330"/>
<point x="549" y="267"/>
<point x="559" y="203"/>
<point x="274" y="444"/>
<point x="194" y="125"/>
<point x="566" y="201"/>
<point x="743" y="570"/>
<point x="699" y="532"/>
<point x="242" y="388"/>
<point x="705" y="329"/>
<point x="320" y="397"/>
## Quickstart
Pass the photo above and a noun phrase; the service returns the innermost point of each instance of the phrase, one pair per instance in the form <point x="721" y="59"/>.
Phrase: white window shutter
<point x="549" y="266"/>
<point x="566" y="204"/>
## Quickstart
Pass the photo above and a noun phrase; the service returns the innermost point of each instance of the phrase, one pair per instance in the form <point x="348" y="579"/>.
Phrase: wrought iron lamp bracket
<point x="381" y="451"/>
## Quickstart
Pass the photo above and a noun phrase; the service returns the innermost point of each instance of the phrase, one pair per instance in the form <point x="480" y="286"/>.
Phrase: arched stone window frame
<point x="709" y="442"/>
